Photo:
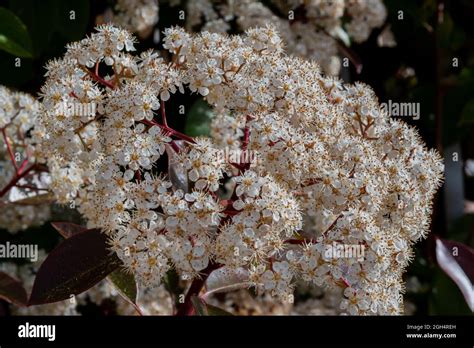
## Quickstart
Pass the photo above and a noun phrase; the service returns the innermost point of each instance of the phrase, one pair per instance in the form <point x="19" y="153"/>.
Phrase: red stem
<point x="186" y="308"/>
<point x="163" y="114"/>
<point x="170" y="131"/>
<point x="246" y="140"/>
<point x="10" y="151"/>
<point x="99" y="79"/>
<point x="240" y="167"/>
<point x="178" y="135"/>
<point x="138" y="175"/>
<point x="23" y="165"/>
<point x="16" y="179"/>
<point x="300" y="241"/>
<point x="175" y="146"/>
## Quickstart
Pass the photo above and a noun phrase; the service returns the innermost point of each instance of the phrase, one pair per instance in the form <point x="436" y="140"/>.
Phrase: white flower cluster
<point x="18" y="115"/>
<point x="227" y="131"/>
<point x="326" y="150"/>
<point x="366" y="180"/>
<point x="308" y="28"/>
<point x="265" y="216"/>
<point x="102" y="141"/>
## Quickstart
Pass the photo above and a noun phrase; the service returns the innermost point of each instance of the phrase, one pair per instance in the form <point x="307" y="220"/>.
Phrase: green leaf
<point x="204" y="309"/>
<point x="51" y="21"/>
<point x="125" y="284"/>
<point x="198" y="120"/>
<point x="216" y="311"/>
<point x="199" y="306"/>
<point x="457" y="261"/>
<point x="171" y="282"/>
<point x="446" y="298"/>
<point x="14" y="37"/>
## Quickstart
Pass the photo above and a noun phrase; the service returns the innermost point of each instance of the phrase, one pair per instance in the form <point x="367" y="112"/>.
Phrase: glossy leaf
<point x="457" y="261"/>
<point x="14" y="37"/>
<point x="68" y="229"/>
<point x="204" y="309"/>
<point x="11" y="290"/>
<point x="216" y="311"/>
<point x="77" y="264"/>
<point x="52" y="23"/>
<point x="126" y="285"/>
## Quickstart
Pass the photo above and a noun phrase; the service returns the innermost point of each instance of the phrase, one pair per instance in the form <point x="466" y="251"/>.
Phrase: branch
<point x="16" y="179"/>
<point x="187" y="308"/>
<point x="10" y="151"/>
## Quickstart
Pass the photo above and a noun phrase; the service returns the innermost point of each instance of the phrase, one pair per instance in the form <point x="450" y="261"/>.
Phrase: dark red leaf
<point x="77" y="264"/>
<point x="457" y="261"/>
<point x="68" y="229"/>
<point x="12" y="290"/>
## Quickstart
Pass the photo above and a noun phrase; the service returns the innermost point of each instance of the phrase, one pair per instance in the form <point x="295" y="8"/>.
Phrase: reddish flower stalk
<point x="138" y="175"/>
<point x="97" y="68"/>
<point x="10" y="151"/>
<point x="163" y="114"/>
<point x="246" y="140"/>
<point x="346" y="283"/>
<point x="170" y="131"/>
<point x="175" y="146"/>
<point x="23" y="165"/>
<point x="332" y="225"/>
<point x="231" y="212"/>
<point x="300" y="241"/>
<point x="239" y="166"/>
<point x="186" y="308"/>
<point x="95" y="76"/>
<point x="16" y="179"/>
<point x="103" y="81"/>
<point x="178" y="135"/>
<point x="310" y="182"/>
